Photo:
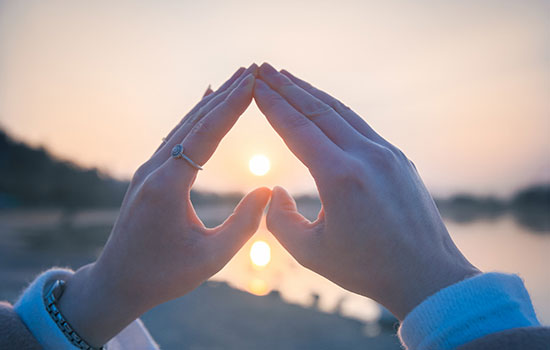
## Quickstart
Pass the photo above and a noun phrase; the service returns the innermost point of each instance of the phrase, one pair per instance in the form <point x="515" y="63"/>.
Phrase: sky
<point x="462" y="87"/>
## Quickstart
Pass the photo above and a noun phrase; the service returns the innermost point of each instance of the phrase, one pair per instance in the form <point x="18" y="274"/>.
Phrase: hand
<point x="379" y="232"/>
<point x="159" y="249"/>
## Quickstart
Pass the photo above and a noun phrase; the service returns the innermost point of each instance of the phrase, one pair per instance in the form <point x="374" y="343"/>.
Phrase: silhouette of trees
<point x="32" y="177"/>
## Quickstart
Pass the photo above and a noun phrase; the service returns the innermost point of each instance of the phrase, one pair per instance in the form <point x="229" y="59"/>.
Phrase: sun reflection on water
<point x="264" y="267"/>
<point x="258" y="286"/>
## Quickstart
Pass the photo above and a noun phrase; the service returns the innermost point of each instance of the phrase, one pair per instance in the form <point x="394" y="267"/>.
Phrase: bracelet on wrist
<point x="50" y="301"/>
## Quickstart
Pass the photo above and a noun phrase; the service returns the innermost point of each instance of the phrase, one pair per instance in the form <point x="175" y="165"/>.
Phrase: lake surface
<point x="501" y="245"/>
<point x="33" y="240"/>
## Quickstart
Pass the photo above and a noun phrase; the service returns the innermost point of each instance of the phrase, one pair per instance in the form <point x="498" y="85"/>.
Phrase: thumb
<point x="244" y="221"/>
<point x="285" y="222"/>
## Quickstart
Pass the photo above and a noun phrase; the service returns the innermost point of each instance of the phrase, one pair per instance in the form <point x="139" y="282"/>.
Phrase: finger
<point x="326" y="118"/>
<point x="243" y="223"/>
<point x="203" y="139"/>
<point x="208" y="91"/>
<point x="349" y="115"/>
<point x="206" y="98"/>
<point x="299" y="133"/>
<point x="216" y="100"/>
<point x="284" y="221"/>
<point x="197" y="115"/>
<point x="227" y="85"/>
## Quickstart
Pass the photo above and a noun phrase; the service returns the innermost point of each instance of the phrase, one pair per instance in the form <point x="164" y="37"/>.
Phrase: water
<point x="501" y="245"/>
<point x="504" y="246"/>
<point x="33" y="240"/>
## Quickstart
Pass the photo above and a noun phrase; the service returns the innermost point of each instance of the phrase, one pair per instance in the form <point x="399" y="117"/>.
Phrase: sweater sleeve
<point x="468" y="310"/>
<point x="32" y="311"/>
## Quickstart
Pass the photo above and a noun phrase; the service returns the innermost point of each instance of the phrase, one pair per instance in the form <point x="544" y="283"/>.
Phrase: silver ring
<point x="177" y="153"/>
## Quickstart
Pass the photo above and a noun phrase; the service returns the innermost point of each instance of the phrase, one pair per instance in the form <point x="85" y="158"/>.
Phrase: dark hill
<point x="32" y="177"/>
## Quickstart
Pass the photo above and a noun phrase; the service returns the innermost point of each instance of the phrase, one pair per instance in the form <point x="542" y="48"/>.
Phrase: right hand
<point x="379" y="232"/>
<point x="159" y="249"/>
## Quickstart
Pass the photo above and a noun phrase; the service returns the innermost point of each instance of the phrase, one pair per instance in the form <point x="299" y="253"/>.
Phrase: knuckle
<point x="382" y="157"/>
<point x="202" y="127"/>
<point x="306" y="259"/>
<point x="345" y="108"/>
<point x="399" y="153"/>
<point x="340" y="107"/>
<point x="285" y="83"/>
<point x="272" y="101"/>
<point x="141" y="173"/>
<point x="152" y="186"/>
<point x="318" y="109"/>
<point x="349" y="172"/>
<point x="297" y="121"/>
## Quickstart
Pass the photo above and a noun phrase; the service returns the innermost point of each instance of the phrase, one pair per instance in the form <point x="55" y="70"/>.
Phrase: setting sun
<point x="260" y="253"/>
<point x="259" y="165"/>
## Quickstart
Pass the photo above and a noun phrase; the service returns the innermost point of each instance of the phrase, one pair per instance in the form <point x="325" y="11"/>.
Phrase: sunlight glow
<point x="260" y="253"/>
<point x="259" y="165"/>
<point x="258" y="287"/>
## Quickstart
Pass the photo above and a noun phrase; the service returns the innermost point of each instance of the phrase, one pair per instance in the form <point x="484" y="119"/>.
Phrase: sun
<point x="259" y="165"/>
<point x="260" y="253"/>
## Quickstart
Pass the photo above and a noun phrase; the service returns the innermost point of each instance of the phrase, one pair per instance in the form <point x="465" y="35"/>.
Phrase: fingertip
<point x="266" y="68"/>
<point x="279" y="190"/>
<point x="253" y="69"/>
<point x="208" y="90"/>
<point x="264" y="190"/>
<point x="262" y="194"/>
<point x="246" y="84"/>
<point x="239" y="71"/>
<point x="282" y="200"/>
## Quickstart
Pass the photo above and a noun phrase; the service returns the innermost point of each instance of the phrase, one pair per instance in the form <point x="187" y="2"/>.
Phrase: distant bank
<point x="31" y="177"/>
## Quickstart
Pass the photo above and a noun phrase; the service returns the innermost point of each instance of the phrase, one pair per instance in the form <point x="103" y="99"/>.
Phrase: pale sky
<point x="462" y="87"/>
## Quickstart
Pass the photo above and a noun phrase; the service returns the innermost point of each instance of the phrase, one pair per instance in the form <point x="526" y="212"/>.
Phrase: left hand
<point x="159" y="249"/>
<point x="379" y="233"/>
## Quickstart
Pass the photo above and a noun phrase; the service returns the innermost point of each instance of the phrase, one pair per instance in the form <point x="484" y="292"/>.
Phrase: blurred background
<point x="88" y="89"/>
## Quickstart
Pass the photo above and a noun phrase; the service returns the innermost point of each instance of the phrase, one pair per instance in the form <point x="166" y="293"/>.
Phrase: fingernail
<point x="254" y="69"/>
<point x="266" y="68"/>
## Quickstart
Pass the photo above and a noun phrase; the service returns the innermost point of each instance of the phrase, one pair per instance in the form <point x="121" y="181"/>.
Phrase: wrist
<point x="94" y="307"/>
<point x="412" y="291"/>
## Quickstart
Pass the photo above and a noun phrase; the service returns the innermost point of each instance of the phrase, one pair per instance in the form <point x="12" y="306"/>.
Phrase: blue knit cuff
<point x="478" y="306"/>
<point x="32" y="311"/>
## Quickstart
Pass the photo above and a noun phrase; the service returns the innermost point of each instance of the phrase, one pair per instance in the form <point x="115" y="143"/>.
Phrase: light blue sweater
<point x="454" y="316"/>
<point x="468" y="310"/>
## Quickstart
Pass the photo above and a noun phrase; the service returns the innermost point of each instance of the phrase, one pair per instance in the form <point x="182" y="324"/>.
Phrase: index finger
<point x="320" y="113"/>
<point x="299" y="133"/>
<point x="203" y="139"/>
<point x="347" y="113"/>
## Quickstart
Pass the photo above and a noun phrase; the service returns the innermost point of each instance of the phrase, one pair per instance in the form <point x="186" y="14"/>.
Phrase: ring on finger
<point x="177" y="153"/>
